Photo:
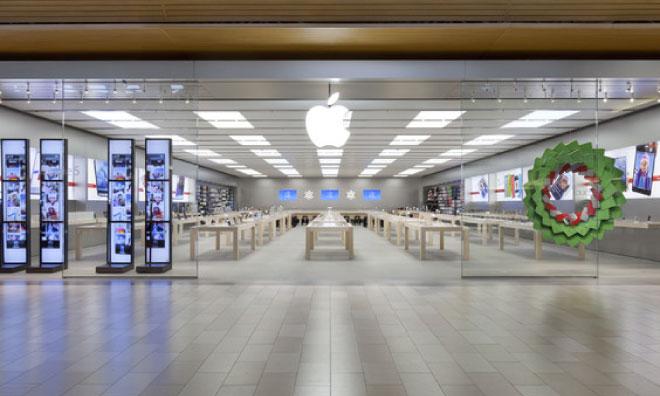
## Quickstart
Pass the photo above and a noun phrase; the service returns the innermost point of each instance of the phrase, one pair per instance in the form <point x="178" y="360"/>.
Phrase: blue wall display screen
<point x="329" y="195"/>
<point x="288" y="195"/>
<point x="371" y="195"/>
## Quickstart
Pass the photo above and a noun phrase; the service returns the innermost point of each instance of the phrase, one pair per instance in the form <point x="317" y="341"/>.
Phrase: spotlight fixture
<point x="86" y="88"/>
<point x="629" y="87"/>
<point x="27" y="89"/>
<point x="54" y="99"/>
<point x="114" y="89"/>
<point x="187" y="100"/>
<point x="605" y="97"/>
<point x="160" y="101"/>
<point x="632" y="98"/>
<point x="82" y="98"/>
<point x="29" y="98"/>
<point x="107" y="99"/>
<point x="134" y="101"/>
<point x="579" y="96"/>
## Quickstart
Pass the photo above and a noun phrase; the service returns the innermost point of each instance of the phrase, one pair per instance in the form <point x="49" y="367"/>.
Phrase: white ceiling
<point x="380" y="111"/>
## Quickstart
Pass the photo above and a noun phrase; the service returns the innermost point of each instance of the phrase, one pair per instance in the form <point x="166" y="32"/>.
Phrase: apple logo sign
<point x="326" y="125"/>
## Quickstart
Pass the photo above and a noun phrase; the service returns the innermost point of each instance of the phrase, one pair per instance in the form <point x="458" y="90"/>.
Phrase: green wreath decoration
<point x="597" y="216"/>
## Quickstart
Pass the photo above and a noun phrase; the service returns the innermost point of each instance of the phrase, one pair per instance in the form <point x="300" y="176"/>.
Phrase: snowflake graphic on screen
<point x="350" y="194"/>
<point x="309" y="195"/>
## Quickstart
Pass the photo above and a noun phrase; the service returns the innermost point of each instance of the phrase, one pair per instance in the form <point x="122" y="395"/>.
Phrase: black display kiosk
<point x="121" y="207"/>
<point x="15" y="236"/>
<point x="158" y="206"/>
<point x="53" y="213"/>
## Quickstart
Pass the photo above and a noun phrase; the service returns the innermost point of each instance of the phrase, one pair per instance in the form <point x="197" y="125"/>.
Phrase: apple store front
<point x="330" y="172"/>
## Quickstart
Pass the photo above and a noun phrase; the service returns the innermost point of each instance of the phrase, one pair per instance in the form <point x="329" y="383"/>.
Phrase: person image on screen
<point x="560" y="186"/>
<point x="642" y="179"/>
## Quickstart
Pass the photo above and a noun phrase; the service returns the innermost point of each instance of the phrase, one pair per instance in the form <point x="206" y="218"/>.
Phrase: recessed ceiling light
<point x="376" y="166"/>
<point x="488" y="140"/>
<point x="222" y="161"/>
<point x="539" y="118"/>
<point x="393" y="152"/>
<point x="330" y="152"/>
<point x="411" y="171"/>
<point x="400" y="175"/>
<point x="409" y="140"/>
<point x="329" y="161"/>
<point x="225" y="119"/>
<point x="457" y="152"/>
<point x="423" y="166"/>
<point x="329" y="167"/>
<point x="361" y="175"/>
<point x="250" y="140"/>
<point x="289" y="171"/>
<point x="121" y="119"/>
<point x="434" y="119"/>
<point x="176" y="139"/>
<point x="383" y="160"/>
<point x="437" y="161"/>
<point x="370" y="171"/>
<point x="283" y="166"/>
<point x="259" y="175"/>
<point x="266" y="153"/>
<point x="274" y="161"/>
<point x="236" y="166"/>
<point x="249" y="171"/>
<point x="202" y="152"/>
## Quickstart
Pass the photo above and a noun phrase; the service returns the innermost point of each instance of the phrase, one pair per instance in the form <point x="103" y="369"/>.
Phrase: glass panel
<point x="551" y="174"/>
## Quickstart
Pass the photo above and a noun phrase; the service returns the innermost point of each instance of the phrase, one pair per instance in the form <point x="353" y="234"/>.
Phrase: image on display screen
<point x="643" y="170"/>
<point x="156" y="235"/>
<point x="512" y="186"/>
<point x="121" y="198"/>
<point x="560" y="185"/>
<point x="329" y="195"/>
<point x="156" y="167"/>
<point x="15" y="167"/>
<point x="180" y="186"/>
<point x="371" y="195"/>
<point x="121" y="167"/>
<point x="101" y="171"/>
<point x="51" y="201"/>
<point x="121" y="238"/>
<point x="156" y="201"/>
<point x="621" y="164"/>
<point x="15" y="201"/>
<point x="51" y="235"/>
<point x="288" y="195"/>
<point x="51" y="167"/>
<point x="15" y="236"/>
<point x="483" y="187"/>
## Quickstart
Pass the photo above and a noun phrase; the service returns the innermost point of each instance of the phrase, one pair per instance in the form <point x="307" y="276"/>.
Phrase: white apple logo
<point x="326" y="125"/>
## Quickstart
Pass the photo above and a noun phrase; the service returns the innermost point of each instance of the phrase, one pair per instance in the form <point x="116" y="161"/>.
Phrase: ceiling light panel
<point x="225" y="119"/>
<point x="121" y="119"/>
<point x="383" y="160"/>
<point x="266" y="153"/>
<point x="539" y="118"/>
<point x="411" y="171"/>
<point x="457" y="152"/>
<point x="249" y="171"/>
<point x="437" y="161"/>
<point x="222" y="161"/>
<point x="330" y="161"/>
<point x="370" y="171"/>
<point x="434" y="119"/>
<point x="409" y="140"/>
<point x="250" y="140"/>
<point x="202" y="152"/>
<point x="488" y="140"/>
<point x="393" y="152"/>
<point x="176" y="139"/>
<point x="276" y="161"/>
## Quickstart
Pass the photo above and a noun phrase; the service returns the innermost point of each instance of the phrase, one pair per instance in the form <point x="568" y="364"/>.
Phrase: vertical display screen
<point x="158" y="197"/>
<point x="101" y="172"/>
<point x="15" y="201"/>
<point x="643" y="168"/>
<point x="52" y="168"/>
<point x="120" y="201"/>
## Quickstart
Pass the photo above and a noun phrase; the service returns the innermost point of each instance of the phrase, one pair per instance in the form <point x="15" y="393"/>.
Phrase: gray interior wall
<point x="637" y="128"/>
<point x="396" y="192"/>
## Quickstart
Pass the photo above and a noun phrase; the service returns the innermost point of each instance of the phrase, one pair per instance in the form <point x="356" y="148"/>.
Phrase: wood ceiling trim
<point x="447" y="41"/>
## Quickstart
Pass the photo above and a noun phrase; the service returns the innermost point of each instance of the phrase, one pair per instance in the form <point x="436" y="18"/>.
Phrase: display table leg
<point x="351" y="248"/>
<point x="582" y="251"/>
<point x="484" y="235"/>
<point x="271" y="231"/>
<point x="501" y="237"/>
<point x="253" y="238"/>
<point x="406" y="238"/>
<point x="538" y="241"/>
<point x="516" y="236"/>
<point x="78" y="244"/>
<point x="308" y="244"/>
<point x="143" y="236"/>
<point x="218" y="234"/>
<point x="466" y="244"/>
<point x="442" y="240"/>
<point x="398" y="234"/>
<point x="193" y="243"/>
<point x="422" y="245"/>
<point x="237" y="253"/>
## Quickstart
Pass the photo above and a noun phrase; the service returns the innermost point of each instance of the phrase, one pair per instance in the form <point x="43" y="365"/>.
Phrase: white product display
<point x="158" y="184"/>
<point x="15" y="203"/>
<point x="53" y="224"/>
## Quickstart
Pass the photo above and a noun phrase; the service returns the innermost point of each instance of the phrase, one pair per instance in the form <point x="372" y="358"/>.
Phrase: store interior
<point x="335" y="181"/>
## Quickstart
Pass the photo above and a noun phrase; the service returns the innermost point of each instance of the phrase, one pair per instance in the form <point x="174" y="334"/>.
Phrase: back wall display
<point x="477" y="189"/>
<point x="509" y="185"/>
<point x="640" y="169"/>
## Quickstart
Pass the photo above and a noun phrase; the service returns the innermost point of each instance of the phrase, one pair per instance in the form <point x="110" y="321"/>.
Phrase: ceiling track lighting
<point x="107" y="99"/>
<point x="579" y="96"/>
<point x="82" y="98"/>
<point x="187" y="100"/>
<point x="27" y="89"/>
<point x="160" y="101"/>
<point x="605" y="97"/>
<point x="29" y="98"/>
<point x="114" y="89"/>
<point x="86" y="88"/>
<point x="134" y="101"/>
<point x="632" y="98"/>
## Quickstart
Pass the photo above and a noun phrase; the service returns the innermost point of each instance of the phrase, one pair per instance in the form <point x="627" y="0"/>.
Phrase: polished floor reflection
<point x="192" y="338"/>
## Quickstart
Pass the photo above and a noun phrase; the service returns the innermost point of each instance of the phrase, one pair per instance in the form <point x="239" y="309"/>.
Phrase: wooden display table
<point x="644" y="225"/>
<point x="425" y="228"/>
<point x="80" y="230"/>
<point x="232" y="230"/>
<point x="333" y="223"/>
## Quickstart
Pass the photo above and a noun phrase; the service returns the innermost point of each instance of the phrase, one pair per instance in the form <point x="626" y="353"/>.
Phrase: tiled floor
<point x="490" y="337"/>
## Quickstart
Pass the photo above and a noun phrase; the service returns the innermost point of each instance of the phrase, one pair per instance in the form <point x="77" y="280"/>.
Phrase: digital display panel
<point x="288" y="195"/>
<point x="371" y="195"/>
<point x="329" y="195"/>
<point x="101" y="173"/>
<point x="643" y="169"/>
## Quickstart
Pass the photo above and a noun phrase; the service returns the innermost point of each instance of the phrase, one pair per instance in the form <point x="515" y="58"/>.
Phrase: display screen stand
<point x="15" y="235"/>
<point x="121" y="208"/>
<point x="158" y="206"/>
<point x="53" y="213"/>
